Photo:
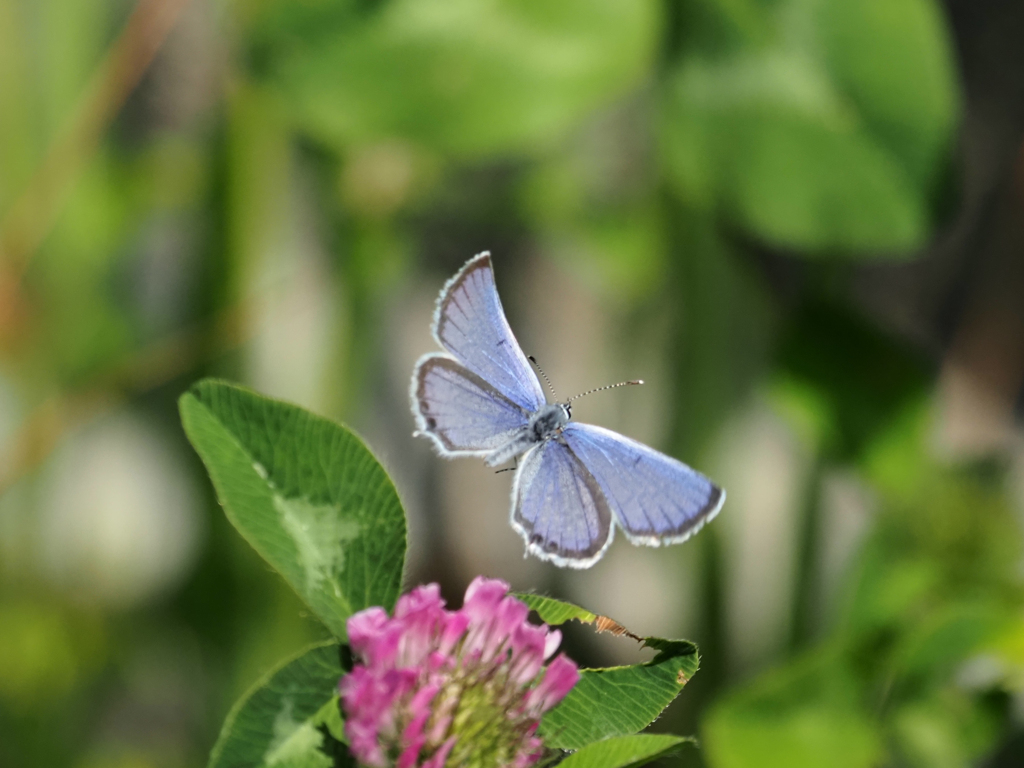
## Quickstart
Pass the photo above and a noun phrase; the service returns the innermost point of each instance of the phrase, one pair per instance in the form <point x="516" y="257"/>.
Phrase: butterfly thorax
<point x="546" y="423"/>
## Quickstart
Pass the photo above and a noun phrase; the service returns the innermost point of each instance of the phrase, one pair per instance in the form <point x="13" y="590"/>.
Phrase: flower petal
<point x="551" y="643"/>
<point x="483" y="596"/>
<point x="559" y="678"/>
<point x="438" y="758"/>
<point x="364" y="627"/>
<point x="528" y="644"/>
<point x="425" y="597"/>
<point x="454" y="628"/>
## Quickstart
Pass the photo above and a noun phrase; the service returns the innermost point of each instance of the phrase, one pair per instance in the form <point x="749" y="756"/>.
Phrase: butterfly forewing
<point x="461" y="411"/>
<point x="558" y="507"/>
<point x="655" y="498"/>
<point x="471" y="324"/>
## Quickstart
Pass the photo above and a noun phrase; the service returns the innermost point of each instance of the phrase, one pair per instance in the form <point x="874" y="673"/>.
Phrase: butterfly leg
<point x="513" y="468"/>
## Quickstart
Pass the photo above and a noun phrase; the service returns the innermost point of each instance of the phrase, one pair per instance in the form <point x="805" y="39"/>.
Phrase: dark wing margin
<point x="470" y="323"/>
<point x="459" y="411"/>
<point x="656" y="499"/>
<point x="558" y="508"/>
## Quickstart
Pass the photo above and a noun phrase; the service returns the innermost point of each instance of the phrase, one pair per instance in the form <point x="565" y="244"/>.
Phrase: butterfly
<point x="573" y="482"/>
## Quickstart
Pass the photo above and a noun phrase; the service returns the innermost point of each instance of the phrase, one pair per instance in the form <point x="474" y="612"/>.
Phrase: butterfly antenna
<point x="544" y="376"/>
<point x="634" y="382"/>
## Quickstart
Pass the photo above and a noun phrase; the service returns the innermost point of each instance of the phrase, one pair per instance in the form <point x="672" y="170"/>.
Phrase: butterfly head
<point x="549" y="420"/>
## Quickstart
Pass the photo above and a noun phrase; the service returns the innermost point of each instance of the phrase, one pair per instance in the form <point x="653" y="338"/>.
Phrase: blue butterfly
<point x="573" y="481"/>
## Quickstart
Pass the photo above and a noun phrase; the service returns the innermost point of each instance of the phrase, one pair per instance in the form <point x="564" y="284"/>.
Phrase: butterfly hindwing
<point x="655" y="499"/>
<point x="461" y="412"/>
<point x="470" y="323"/>
<point x="558" y="507"/>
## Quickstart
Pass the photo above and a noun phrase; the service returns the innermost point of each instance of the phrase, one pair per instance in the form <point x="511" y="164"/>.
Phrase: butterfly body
<point x="543" y="425"/>
<point x="574" y="482"/>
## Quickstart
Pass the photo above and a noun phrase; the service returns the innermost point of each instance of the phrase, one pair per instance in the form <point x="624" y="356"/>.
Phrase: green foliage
<point x="465" y="78"/>
<point x="816" y="125"/>
<point x="624" y="751"/>
<point x="934" y="588"/>
<point x="856" y="378"/>
<point x="805" y="715"/>
<point x="306" y="493"/>
<point x="277" y="724"/>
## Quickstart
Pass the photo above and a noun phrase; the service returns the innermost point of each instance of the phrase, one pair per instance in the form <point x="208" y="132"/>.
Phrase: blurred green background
<point x="800" y="221"/>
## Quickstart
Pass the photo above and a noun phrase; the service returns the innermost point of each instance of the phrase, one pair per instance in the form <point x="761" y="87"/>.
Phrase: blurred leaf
<point x="464" y="77"/>
<point x="945" y="730"/>
<point x="72" y="37"/>
<point x="720" y="353"/>
<point x="863" y="379"/>
<point x="952" y="535"/>
<point x="1009" y="645"/>
<point x="806" y="409"/>
<point x="80" y="328"/>
<point x="620" y="254"/>
<point x="936" y="590"/>
<point x="936" y="581"/>
<point x="823" y="128"/>
<point x="275" y="725"/>
<point x="46" y="652"/>
<point x="888" y="587"/>
<point x="624" y="751"/>
<point x="593" y="200"/>
<point x="306" y="493"/>
<point x="806" y="714"/>
<point x="893" y="60"/>
<point x="19" y="142"/>
<point x="895" y="462"/>
<point x="940" y="642"/>
<point x="615" y="701"/>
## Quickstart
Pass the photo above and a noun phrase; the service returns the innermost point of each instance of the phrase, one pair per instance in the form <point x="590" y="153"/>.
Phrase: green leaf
<point x="625" y="751"/>
<point x="275" y="725"/>
<point x="306" y="493"/>
<point x="825" y="131"/>
<point x="459" y="76"/>
<point x="866" y="43"/>
<point x="552" y="611"/>
<point x="614" y="701"/>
